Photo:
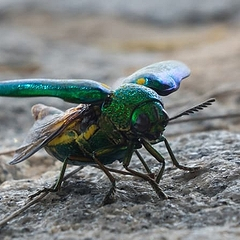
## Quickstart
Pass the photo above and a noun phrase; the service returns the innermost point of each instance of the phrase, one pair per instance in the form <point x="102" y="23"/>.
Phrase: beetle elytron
<point x="107" y="125"/>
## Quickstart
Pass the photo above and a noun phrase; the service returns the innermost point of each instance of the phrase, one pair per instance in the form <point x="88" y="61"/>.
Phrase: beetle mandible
<point x="107" y="125"/>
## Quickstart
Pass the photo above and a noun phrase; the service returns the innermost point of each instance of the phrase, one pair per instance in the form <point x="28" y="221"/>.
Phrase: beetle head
<point x="136" y="111"/>
<point x="149" y="120"/>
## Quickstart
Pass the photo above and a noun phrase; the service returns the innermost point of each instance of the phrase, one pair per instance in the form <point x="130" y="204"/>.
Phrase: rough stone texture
<point x="39" y="40"/>
<point x="204" y="202"/>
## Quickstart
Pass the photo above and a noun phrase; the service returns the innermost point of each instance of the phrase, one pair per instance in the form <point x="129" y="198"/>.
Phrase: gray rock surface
<point x="204" y="202"/>
<point x="106" y="43"/>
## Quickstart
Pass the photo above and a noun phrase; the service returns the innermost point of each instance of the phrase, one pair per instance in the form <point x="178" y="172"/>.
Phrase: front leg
<point x="145" y="177"/>
<point x="157" y="156"/>
<point x="174" y="160"/>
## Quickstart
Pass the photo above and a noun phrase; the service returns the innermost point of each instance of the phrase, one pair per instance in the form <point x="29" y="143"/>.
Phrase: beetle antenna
<point x="194" y="109"/>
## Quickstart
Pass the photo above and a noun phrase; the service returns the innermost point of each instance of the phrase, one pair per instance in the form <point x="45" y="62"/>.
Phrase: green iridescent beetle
<point x="107" y="125"/>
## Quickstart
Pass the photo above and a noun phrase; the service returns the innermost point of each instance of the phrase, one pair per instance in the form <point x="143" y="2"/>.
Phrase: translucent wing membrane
<point x="163" y="77"/>
<point x="70" y="90"/>
<point x="45" y="129"/>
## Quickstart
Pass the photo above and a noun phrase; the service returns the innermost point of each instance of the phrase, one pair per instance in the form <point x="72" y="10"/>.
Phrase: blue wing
<point x="163" y="77"/>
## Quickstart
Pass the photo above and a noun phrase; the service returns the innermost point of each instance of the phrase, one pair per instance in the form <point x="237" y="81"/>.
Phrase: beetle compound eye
<point x="142" y="123"/>
<point x="165" y="118"/>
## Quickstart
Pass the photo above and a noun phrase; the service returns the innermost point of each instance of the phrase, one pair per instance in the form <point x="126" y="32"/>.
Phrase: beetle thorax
<point x="137" y="111"/>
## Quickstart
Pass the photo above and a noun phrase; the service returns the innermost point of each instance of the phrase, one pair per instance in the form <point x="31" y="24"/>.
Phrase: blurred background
<point x="107" y="40"/>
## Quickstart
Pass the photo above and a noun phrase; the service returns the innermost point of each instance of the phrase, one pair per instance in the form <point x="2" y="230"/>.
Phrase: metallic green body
<point x="79" y="141"/>
<point x="107" y="130"/>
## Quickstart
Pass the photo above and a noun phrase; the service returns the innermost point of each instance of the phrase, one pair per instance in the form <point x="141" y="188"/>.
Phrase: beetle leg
<point x="157" y="156"/>
<point x="117" y="171"/>
<point x="151" y="181"/>
<point x="58" y="183"/>
<point x="144" y="163"/>
<point x="145" y="177"/>
<point x="174" y="160"/>
<point x="109" y="198"/>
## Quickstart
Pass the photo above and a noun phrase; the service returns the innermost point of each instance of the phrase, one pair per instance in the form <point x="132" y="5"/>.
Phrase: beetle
<point x="107" y="125"/>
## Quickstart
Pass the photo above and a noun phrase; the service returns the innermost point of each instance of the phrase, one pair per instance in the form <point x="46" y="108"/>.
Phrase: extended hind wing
<point x="50" y="122"/>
